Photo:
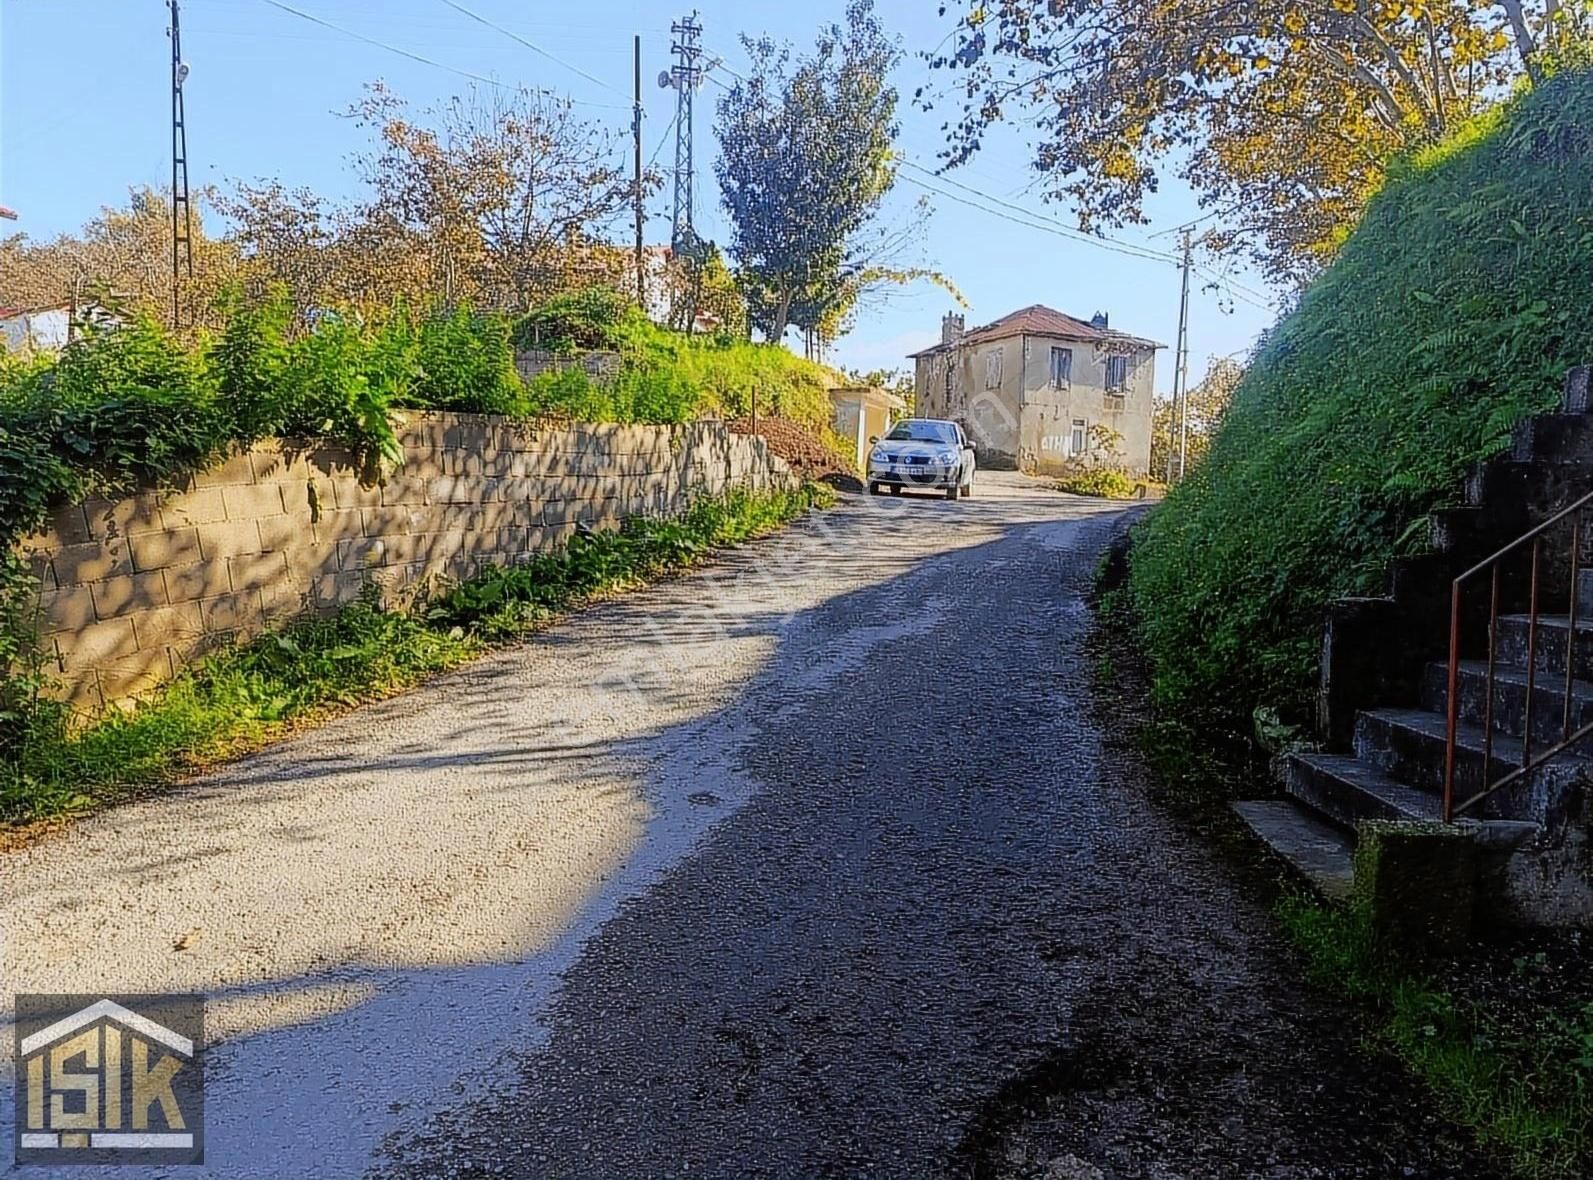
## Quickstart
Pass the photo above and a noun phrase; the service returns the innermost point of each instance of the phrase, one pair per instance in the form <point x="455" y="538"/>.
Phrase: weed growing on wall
<point x="130" y="407"/>
<point x="1451" y="313"/>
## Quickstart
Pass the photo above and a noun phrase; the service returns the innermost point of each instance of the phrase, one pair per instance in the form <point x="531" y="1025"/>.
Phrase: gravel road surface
<point x="819" y="861"/>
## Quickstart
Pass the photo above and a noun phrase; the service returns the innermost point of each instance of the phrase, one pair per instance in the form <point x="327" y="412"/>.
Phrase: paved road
<point x="821" y="861"/>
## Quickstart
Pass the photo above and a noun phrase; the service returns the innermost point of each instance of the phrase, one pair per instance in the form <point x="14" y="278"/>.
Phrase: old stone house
<point x="1031" y="387"/>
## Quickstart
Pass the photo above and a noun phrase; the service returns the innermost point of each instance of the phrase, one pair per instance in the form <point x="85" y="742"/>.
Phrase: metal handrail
<point x="1491" y="564"/>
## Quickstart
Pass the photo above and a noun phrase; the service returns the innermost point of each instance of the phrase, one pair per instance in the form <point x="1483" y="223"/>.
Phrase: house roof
<point x="1040" y="320"/>
<point x="870" y="395"/>
<point x="11" y="313"/>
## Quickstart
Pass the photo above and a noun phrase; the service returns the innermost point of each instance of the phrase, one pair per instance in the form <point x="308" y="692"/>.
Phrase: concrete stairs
<point x="1385" y="685"/>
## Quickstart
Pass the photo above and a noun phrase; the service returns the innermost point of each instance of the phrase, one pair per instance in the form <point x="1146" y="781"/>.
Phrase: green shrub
<point x="1106" y="482"/>
<point x="1451" y="313"/>
<point x="590" y="318"/>
<point x="467" y="363"/>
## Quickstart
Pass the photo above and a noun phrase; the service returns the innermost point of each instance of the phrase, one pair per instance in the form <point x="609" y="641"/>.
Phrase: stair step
<point x="1408" y="745"/>
<point x="1559" y="439"/>
<point x="1347" y="790"/>
<point x="1553" y="640"/>
<point x="1510" y="699"/>
<point x="1458" y="530"/>
<point x="1317" y="850"/>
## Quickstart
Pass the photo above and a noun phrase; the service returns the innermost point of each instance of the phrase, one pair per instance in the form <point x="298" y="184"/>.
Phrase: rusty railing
<point x="1492" y="566"/>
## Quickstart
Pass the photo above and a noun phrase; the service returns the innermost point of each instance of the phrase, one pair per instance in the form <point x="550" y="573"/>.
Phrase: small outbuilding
<point x="862" y="413"/>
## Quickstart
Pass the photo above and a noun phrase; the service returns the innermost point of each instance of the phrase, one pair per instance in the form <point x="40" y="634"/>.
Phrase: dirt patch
<point x="804" y="450"/>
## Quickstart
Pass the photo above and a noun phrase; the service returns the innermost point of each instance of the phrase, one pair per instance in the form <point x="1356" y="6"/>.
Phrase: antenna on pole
<point x="182" y="216"/>
<point x="686" y="78"/>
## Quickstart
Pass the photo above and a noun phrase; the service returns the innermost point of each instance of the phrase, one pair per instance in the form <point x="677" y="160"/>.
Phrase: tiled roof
<point x="1039" y="320"/>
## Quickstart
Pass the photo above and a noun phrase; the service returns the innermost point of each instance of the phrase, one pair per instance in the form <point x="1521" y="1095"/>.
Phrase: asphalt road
<point x="824" y="860"/>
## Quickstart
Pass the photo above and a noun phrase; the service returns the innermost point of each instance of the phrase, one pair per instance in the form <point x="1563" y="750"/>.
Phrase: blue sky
<point x="84" y="109"/>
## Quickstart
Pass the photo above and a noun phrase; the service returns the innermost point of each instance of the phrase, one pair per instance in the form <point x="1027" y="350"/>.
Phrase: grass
<point x="1102" y="482"/>
<point x="1516" y="1071"/>
<point x="1451" y="313"/>
<point x="242" y="697"/>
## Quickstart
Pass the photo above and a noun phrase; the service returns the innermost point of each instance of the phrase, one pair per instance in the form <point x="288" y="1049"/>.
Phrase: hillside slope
<point x="1451" y="312"/>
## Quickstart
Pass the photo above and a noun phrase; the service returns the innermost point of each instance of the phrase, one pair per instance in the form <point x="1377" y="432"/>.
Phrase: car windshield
<point x="917" y="431"/>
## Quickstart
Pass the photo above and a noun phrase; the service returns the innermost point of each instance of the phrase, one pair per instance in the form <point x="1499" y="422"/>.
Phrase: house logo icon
<point x="109" y="1079"/>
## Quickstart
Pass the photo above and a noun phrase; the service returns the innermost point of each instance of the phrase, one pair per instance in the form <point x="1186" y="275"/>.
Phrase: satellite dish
<point x="664" y="81"/>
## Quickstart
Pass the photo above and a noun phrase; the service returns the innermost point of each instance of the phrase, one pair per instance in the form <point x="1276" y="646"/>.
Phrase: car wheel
<point x="952" y="492"/>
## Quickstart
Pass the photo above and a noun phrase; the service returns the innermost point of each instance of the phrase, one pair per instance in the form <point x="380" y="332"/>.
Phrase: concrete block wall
<point x="135" y="589"/>
<point x="596" y="364"/>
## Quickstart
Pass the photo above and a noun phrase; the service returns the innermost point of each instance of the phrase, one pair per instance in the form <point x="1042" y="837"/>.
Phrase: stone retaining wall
<point x="598" y="365"/>
<point x="135" y="589"/>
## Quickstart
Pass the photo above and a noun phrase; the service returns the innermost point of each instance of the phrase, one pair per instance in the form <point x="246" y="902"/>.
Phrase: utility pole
<point x="685" y="77"/>
<point x="182" y="216"/>
<point x="636" y="134"/>
<point x="1181" y="362"/>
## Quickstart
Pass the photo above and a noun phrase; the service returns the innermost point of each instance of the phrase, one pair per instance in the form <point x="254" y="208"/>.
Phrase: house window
<point x="1081" y="430"/>
<point x="1061" y="367"/>
<point x="993" y="370"/>
<point x="1116" y="374"/>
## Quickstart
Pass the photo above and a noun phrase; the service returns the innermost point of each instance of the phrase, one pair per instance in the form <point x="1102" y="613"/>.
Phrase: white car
<point x="922" y="454"/>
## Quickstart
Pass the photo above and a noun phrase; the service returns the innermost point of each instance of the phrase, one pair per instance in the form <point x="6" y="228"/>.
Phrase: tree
<point x="498" y="200"/>
<point x="122" y="256"/>
<point x="1281" y="114"/>
<point x="805" y="160"/>
<point x="1207" y="402"/>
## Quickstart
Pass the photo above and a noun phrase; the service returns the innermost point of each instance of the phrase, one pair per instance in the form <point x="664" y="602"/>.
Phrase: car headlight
<point x="946" y="458"/>
<point x="877" y="457"/>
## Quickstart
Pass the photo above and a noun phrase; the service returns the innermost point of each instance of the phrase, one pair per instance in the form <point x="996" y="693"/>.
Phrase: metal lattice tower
<point x="182" y="214"/>
<point x="685" y="77"/>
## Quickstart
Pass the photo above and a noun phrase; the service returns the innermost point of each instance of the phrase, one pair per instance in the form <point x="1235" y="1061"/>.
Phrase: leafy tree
<point x="497" y="201"/>
<point x="804" y="163"/>
<point x="1207" y="401"/>
<point x="701" y="282"/>
<point x="1282" y="114"/>
<point x="123" y="256"/>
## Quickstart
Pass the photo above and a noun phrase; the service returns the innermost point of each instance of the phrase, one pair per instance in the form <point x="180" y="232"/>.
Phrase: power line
<point x="668" y="127"/>
<point x="1077" y="235"/>
<point x="475" y="16"/>
<point x="313" y="19"/>
<point x="1044" y="225"/>
<point x="1233" y="289"/>
<point x="1232" y="284"/>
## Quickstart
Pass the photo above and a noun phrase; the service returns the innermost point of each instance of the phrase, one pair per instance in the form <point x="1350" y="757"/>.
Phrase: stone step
<point x="1584" y="593"/>
<point x="1315" y="849"/>
<point x="1557" y="439"/>
<point x="1346" y="790"/>
<point x="1554" y="640"/>
<point x="1510" y="700"/>
<point x="1461" y="530"/>
<point x="1408" y="745"/>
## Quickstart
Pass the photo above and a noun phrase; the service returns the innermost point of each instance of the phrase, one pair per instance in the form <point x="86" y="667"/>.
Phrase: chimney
<point x="1098" y="320"/>
<point x="951" y="328"/>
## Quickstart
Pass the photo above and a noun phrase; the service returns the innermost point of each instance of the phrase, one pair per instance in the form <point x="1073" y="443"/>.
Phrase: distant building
<point x="47" y="328"/>
<point x="1030" y="387"/>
